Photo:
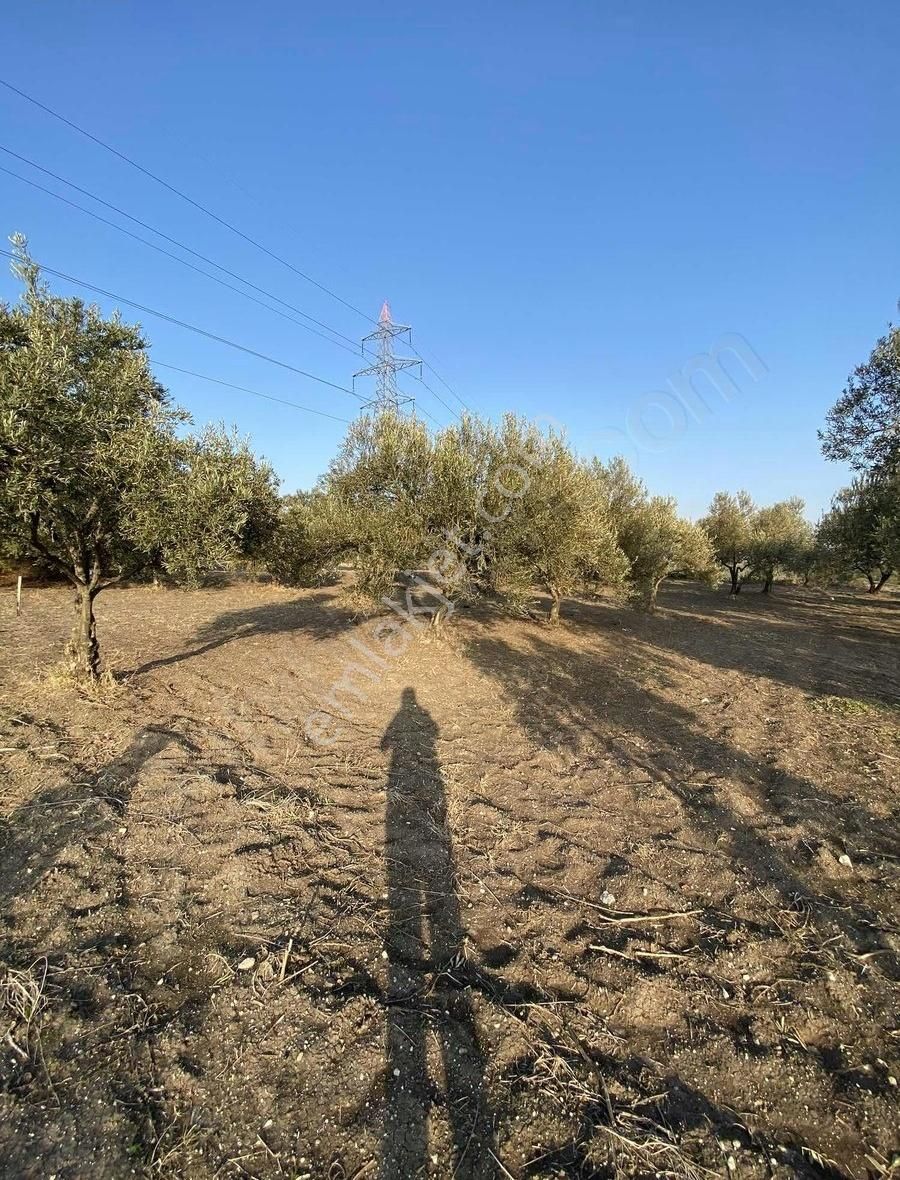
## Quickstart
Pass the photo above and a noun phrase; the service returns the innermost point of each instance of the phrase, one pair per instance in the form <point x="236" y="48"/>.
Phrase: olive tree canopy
<point x="729" y="522"/>
<point x="860" y="534"/>
<point x="94" y="475"/>
<point x="863" y="425"/>
<point x="781" y="535"/>
<point x="656" y="541"/>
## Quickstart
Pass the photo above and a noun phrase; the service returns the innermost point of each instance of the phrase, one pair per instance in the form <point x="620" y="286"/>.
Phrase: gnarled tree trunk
<point x="646" y="592"/>
<point x="874" y="586"/>
<point x="83" y="650"/>
<point x="555" y="604"/>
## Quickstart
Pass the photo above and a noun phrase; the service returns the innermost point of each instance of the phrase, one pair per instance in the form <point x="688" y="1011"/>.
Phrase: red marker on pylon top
<point x="385" y="317"/>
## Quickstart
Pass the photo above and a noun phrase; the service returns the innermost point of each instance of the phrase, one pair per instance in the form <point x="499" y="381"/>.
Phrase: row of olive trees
<point x="100" y="480"/>
<point x="858" y="537"/>
<point x="97" y="478"/>
<point x="860" y="534"/>
<point x="763" y="543"/>
<point x="484" y="509"/>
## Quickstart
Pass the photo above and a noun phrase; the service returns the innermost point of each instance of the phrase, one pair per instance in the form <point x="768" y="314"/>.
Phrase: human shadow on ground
<point x="577" y="699"/>
<point x="425" y="946"/>
<point x="317" y="616"/>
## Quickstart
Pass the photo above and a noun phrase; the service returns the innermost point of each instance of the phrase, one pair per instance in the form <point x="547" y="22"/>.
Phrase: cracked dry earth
<point x="618" y="898"/>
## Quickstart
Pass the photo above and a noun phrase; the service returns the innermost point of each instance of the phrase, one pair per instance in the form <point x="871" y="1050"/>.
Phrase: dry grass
<point x="179" y="1141"/>
<point x="100" y="690"/>
<point x="840" y="706"/>
<point x="22" y="1001"/>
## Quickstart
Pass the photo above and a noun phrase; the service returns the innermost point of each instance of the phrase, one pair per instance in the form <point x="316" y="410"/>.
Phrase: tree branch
<point x="126" y="574"/>
<point x="51" y="558"/>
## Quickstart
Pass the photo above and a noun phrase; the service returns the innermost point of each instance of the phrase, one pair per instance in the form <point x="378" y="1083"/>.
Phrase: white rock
<point x="247" y="964"/>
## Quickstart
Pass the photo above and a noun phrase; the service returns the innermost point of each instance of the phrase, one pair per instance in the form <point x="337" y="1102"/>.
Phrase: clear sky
<point x="568" y="201"/>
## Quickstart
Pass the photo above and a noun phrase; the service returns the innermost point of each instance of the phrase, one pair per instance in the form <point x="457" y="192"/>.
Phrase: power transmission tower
<point x="386" y="366"/>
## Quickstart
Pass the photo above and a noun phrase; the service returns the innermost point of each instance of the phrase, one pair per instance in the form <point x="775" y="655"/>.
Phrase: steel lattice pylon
<point x="386" y="366"/>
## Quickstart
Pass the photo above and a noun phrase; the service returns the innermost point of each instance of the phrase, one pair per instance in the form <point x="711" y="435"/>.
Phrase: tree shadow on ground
<point x="838" y="645"/>
<point x="666" y="1109"/>
<point x="424" y="946"/>
<point x="78" y="810"/>
<point x="111" y="1105"/>
<point x="317" y="616"/>
<point x="576" y="699"/>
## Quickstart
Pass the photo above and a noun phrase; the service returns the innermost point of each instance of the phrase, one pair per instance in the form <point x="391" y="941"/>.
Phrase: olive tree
<point x="862" y="425"/>
<point x="462" y="506"/>
<point x="95" y="477"/>
<point x="377" y="486"/>
<point x="781" y="534"/>
<point x="511" y="507"/>
<point x="473" y="509"/>
<point x="656" y="541"/>
<point x="729" y="523"/>
<point x="311" y="537"/>
<point x="559" y="532"/>
<point x="860" y="534"/>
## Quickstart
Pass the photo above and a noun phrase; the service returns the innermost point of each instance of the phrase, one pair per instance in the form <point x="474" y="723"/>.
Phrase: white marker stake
<point x="18" y="595"/>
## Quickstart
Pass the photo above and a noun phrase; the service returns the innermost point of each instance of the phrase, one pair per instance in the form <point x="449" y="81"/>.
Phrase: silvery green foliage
<point x="781" y="534"/>
<point x="311" y="537"/>
<point x="94" y="475"/>
<point x="378" y="487"/>
<point x="655" y="539"/>
<point x="221" y="508"/>
<point x="477" y="508"/>
<point x="559" y="531"/>
<point x="863" y="426"/>
<point x="729" y="522"/>
<point x="860" y="534"/>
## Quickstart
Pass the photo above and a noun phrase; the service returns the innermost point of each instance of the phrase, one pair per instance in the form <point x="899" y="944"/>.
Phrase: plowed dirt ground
<point x="620" y="897"/>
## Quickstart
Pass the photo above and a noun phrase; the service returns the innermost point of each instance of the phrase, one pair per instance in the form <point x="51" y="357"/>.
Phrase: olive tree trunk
<point x="555" y="604"/>
<point x="646" y="592"/>
<point x="874" y="586"/>
<point x="83" y="650"/>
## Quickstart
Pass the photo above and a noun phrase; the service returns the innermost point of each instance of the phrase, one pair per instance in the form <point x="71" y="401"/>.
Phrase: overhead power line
<point x="215" y="217"/>
<point x="168" y="254"/>
<point x="256" y="393"/>
<point x="166" y="237"/>
<point x="422" y="410"/>
<point x="190" y="265"/>
<point x="189" y="327"/>
<point x="268" y="396"/>
<point x="446" y="385"/>
<point x="437" y="396"/>
<point x="179" y="193"/>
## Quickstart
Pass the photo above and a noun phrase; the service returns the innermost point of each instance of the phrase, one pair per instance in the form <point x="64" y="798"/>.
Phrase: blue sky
<point x="567" y="201"/>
